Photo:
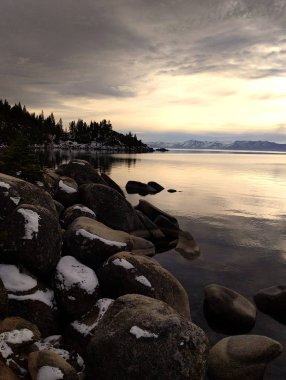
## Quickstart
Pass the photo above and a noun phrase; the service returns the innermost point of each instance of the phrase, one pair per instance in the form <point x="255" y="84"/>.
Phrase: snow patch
<point x="140" y="333"/>
<point x="16" y="200"/>
<point x="14" y="280"/>
<point x="84" y="209"/>
<point x="123" y="263"/>
<point x="103" y="304"/>
<point x="91" y="236"/>
<point x="71" y="272"/>
<point x="49" y="373"/>
<point x="67" y="189"/>
<point x="17" y="336"/>
<point x="39" y="183"/>
<point x="5" y="350"/>
<point x="31" y="222"/>
<point x="5" y="185"/>
<point x="143" y="280"/>
<point x="46" y="297"/>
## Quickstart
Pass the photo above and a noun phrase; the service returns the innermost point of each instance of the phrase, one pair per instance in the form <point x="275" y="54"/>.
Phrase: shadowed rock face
<point x="228" y="311"/>
<point x="153" y="212"/>
<point x="146" y="339"/>
<point x="109" y="181"/>
<point x="67" y="191"/>
<point x="124" y="273"/>
<point x="74" y="212"/>
<point x="242" y="357"/>
<point x="272" y="301"/>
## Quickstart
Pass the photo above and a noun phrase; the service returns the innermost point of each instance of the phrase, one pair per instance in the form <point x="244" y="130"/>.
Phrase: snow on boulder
<point x="67" y="192"/>
<point x="76" y="287"/>
<point x="14" y="192"/>
<point x="75" y="211"/>
<point x="125" y="273"/>
<point x="92" y="242"/>
<point x="32" y="237"/>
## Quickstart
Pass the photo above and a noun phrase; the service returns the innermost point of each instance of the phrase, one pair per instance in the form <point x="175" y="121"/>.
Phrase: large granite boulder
<point x="31" y="236"/>
<point x="228" y="311"/>
<point x="242" y="357"/>
<point x="109" y="181"/>
<point x="124" y="273"/>
<point x="15" y="192"/>
<point x="146" y="339"/>
<point x="92" y="242"/>
<point x="67" y="191"/>
<point x="111" y="208"/>
<point x="76" y="287"/>
<point x="74" y="212"/>
<point x="272" y="301"/>
<point x="30" y="299"/>
<point x="48" y="365"/>
<point x="81" y="171"/>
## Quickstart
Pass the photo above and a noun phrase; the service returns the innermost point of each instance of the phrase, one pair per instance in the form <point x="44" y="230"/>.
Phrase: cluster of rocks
<point x="141" y="188"/>
<point x="81" y="296"/>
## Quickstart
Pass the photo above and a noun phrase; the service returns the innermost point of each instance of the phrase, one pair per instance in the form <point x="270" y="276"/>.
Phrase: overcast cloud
<point x="76" y="57"/>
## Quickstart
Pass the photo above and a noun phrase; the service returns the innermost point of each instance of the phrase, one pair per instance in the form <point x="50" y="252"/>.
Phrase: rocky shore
<point x="82" y="297"/>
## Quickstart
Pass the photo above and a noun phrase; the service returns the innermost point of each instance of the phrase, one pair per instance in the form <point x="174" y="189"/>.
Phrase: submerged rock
<point x="242" y="357"/>
<point x="187" y="245"/>
<point x="227" y="310"/>
<point x="81" y="171"/>
<point x="272" y="301"/>
<point x="124" y="273"/>
<point x="146" y="339"/>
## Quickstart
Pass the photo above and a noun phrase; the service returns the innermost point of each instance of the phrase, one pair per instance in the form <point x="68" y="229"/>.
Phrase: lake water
<point x="235" y="207"/>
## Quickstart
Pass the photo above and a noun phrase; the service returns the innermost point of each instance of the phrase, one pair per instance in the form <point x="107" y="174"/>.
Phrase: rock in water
<point x="228" y="311"/>
<point x="124" y="273"/>
<point x="92" y="242"/>
<point x="153" y="212"/>
<point x="242" y="357"/>
<point x="81" y="171"/>
<point x="136" y="187"/>
<point x="156" y="186"/>
<point x="143" y="338"/>
<point x="187" y="246"/>
<point x="272" y="301"/>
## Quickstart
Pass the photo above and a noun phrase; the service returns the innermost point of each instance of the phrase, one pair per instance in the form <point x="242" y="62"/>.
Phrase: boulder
<point x="272" y="301"/>
<point x="146" y="339"/>
<point x="156" y="186"/>
<point x="32" y="237"/>
<point x="47" y="365"/>
<point x="228" y="311"/>
<point x="136" y="187"/>
<point x="187" y="246"/>
<point x="3" y="300"/>
<point x="6" y="373"/>
<point x="76" y="287"/>
<point x="169" y="229"/>
<point x="92" y="242"/>
<point x="51" y="181"/>
<point x="155" y="234"/>
<point x="59" y="207"/>
<point x="78" y="334"/>
<point x="109" y="181"/>
<point x="81" y="171"/>
<point x="242" y="357"/>
<point x="67" y="191"/>
<point x="75" y="211"/>
<point x="111" y="208"/>
<point x="153" y="212"/>
<point x="172" y="191"/>
<point x="15" y="192"/>
<point x="30" y="299"/>
<point x="124" y="273"/>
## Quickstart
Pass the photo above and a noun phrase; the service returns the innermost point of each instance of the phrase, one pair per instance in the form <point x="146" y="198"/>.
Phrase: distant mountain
<point x="236" y="145"/>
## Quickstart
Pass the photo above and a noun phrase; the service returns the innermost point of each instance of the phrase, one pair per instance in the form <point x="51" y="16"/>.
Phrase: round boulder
<point x="272" y="301"/>
<point x="124" y="273"/>
<point x="81" y="171"/>
<point x="75" y="211"/>
<point x="76" y="287"/>
<point x="146" y="339"/>
<point x="228" y="311"/>
<point x="242" y="357"/>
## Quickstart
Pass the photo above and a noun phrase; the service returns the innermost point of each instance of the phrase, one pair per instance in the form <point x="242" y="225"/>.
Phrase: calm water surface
<point x="234" y="205"/>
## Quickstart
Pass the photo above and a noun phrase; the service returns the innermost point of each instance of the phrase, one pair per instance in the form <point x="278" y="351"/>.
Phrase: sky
<point x="167" y="70"/>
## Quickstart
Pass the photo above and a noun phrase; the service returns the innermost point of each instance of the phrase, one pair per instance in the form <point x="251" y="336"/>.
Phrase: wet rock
<point x="30" y="299"/>
<point x="153" y="212"/>
<point x="67" y="191"/>
<point x="32" y="237"/>
<point x="76" y="287"/>
<point x="124" y="273"/>
<point x="79" y="333"/>
<point x="136" y="187"/>
<point x="187" y="246"/>
<point x="74" y="212"/>
<point x="3" y="300"/>
<point x="111" y="208"/>
<point x="242" y="357"/>
<point x="146" y="339"/>
<point x="155" y="234"/>
<point x="50" y="366"/>
<point x="272" y="301"/>
<point x="15" y="192"/>
<point x="155" y="186"/>
<point x="109" y="181"/>
<point x="228" y="311"/>
<point x="81" y="171"/>
<point x="92" y="242"/>
<point x="170" y="230"/>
